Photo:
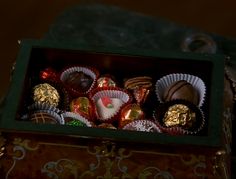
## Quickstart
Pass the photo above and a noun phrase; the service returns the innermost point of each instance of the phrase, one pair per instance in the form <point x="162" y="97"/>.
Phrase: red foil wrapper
<point x="130" y="113"/>
<point x="106" y="82"/>
<point x="48" y="74"/>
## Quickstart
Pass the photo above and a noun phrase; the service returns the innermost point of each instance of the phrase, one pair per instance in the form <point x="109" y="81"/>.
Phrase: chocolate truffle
<point x="140" y="86"/>
<point x="43" y="118"/>
<point x="45" y="93"/>
<point x="79" y="81"/>
<point x="181" y="90"/>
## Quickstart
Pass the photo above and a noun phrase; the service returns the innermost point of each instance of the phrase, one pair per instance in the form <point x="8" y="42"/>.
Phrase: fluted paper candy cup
<point x="108" y="103"/>
<point x="74" y="119"/>
<point x="143" y="125"/>
<point x="79" y="80"/>
<point x="181" y="81"/>
<point x="46" y="116"/>
<point x="179" y="117"/>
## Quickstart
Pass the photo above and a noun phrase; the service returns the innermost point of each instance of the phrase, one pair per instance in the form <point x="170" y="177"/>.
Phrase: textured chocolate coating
<point x="181" y="90"/>
<point x="179" y="115"/>
<point x="43" y="117"/>
<point x="79" y="81"/>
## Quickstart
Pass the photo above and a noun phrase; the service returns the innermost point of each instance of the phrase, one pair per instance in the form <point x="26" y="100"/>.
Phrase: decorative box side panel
<point x="32" y="156"/>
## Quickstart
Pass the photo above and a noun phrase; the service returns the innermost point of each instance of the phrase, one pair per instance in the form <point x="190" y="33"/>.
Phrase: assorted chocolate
<point x="181" y="89"/>
<point x="82" y="97"/>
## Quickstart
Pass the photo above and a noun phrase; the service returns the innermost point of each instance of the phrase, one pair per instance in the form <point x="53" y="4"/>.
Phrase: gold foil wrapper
<point x="45" y="93"/>
<point x="179" y="115"/>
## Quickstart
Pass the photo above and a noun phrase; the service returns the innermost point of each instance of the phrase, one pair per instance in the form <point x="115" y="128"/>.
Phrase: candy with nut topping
<point x="45" y="93"/>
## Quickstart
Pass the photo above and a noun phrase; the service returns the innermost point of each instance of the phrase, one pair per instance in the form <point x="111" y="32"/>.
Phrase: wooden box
<point x="31" y="150"/>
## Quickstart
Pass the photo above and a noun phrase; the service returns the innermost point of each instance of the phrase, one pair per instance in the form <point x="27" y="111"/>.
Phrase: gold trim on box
<point x="220" y="168"/>
<point x="108" y="157"/>
<point x="2" y="145"/>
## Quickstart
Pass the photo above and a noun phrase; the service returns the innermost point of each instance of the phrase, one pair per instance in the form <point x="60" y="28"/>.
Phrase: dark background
<point x="32" y="18"/>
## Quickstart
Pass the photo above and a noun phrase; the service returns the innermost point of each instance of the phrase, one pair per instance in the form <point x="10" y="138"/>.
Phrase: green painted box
<point x="90" y="152"/>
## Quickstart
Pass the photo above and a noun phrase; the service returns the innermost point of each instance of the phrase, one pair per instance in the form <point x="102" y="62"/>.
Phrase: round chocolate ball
<point x="181" y="90"/>
<point x="79" y="81"/>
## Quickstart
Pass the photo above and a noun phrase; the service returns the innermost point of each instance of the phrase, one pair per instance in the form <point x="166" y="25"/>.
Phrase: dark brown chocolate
<point x="181" y="90"/>
<point x="79" y="81"/>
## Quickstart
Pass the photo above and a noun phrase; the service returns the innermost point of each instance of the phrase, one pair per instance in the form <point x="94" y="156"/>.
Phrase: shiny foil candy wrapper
<point x="45" y="93"/>
<point x="82" y="106"/>
<point x="48" y="74"/>
<point x="105" y="81"/>
<point x="179" y="117"/>
<point x="130" y="113"/>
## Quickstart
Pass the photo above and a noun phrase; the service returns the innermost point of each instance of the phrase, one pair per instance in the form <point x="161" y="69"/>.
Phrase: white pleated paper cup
<point x="142" y="125"/>
<point x="105" y="114"/>
<point x="163" y="83"/>
<point x="77" y="117"/>
<point x="93" y="73"/>
<point x="43" y="106"/>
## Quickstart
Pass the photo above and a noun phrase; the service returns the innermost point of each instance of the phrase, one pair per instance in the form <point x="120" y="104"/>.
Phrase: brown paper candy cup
<point x="194" y="129"/>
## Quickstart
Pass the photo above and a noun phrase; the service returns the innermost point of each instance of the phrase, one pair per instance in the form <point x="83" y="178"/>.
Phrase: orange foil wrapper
<point x="130" y="113"/>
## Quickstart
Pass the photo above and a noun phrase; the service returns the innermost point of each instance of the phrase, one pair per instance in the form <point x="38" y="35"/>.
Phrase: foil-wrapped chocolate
<point x="45" y="93"/>
<point x="82" y="106"/>
<point x="140" y="87"/>
<point x="105" y="82"/>
<point x="130" y="113"/>
<point x="179" y="115"/>
<point x="48" y="74"/>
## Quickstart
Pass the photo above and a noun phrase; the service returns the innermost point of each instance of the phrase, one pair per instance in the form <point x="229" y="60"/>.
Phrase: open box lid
<point x="33" y="53"/>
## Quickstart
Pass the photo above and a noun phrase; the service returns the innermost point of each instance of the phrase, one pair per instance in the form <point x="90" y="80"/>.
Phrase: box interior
<point x="121" y="66"/>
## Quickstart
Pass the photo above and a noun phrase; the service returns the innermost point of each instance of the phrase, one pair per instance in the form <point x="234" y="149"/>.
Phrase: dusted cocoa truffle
<point x="181" y="90"/>
<point x="79" y="81"/>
